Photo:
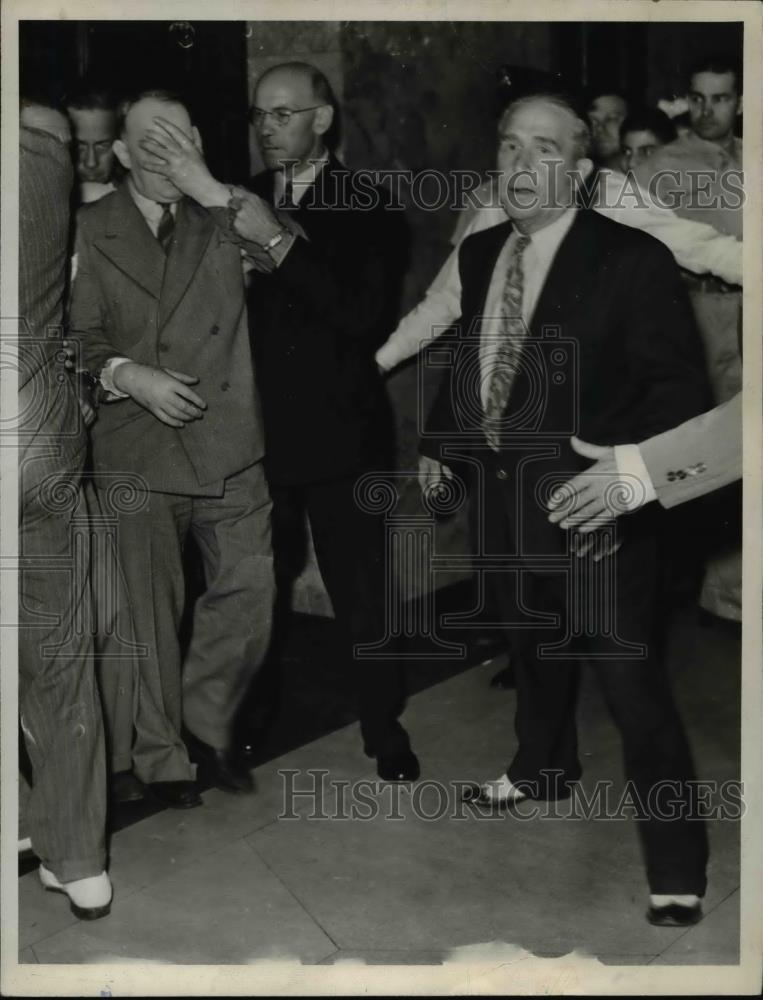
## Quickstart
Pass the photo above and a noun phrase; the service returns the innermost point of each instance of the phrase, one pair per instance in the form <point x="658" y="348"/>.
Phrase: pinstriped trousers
<point x="59" y="709"/>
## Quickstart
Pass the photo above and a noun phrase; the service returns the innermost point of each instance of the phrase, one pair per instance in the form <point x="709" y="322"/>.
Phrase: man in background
<point x="643" y="132"/>
<point x="702" y="178"/>
<point x="607" y="110"/>
<point x="94" y="124"/>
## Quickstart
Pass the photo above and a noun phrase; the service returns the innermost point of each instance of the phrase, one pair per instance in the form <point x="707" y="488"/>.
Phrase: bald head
<point x="293" y="109"/>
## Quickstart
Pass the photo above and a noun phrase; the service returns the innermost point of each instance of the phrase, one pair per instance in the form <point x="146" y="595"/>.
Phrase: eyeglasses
<point x="281" y="116"/>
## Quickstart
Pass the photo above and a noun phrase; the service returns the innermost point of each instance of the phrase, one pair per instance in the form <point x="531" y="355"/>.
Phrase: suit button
<point x="225" y="386"/>
<point x="215" y="330"/>
<point x="163" y="348"/>
<point x="502" y="474"/>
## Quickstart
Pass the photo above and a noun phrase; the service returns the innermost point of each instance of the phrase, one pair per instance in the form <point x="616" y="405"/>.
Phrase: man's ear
<point x="196" y="136"/>
<point x="324" y="116"/>
<point x="584" y="166"/>
<point x="122" y="153"/>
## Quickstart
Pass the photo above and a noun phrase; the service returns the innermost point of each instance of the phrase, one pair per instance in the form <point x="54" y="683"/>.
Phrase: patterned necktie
<point x="166" y="229"/>
<point x="512" y="334"/>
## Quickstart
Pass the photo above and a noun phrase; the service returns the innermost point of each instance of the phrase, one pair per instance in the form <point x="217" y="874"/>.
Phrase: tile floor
<point x="406" y="875"/>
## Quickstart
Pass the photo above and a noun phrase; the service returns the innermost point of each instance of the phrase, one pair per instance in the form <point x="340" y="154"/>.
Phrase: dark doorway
<point x="204" y="60"/>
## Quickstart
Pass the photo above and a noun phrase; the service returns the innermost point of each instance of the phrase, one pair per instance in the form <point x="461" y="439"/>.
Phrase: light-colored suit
<point x="698" y="456"/>
<point x="186" y="312"/>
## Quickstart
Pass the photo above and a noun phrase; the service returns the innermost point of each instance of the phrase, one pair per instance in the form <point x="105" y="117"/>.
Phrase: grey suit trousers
<point x="58" y="702"/>
<point x="231" y="621"/>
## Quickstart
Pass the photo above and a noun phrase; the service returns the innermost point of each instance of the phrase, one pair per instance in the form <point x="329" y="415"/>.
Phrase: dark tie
<point x="287" y="198"/>
<point x="511" y="336"/>
<point x="166" y="229"/>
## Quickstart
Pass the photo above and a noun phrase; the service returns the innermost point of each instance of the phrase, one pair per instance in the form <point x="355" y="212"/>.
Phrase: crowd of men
<point x="227" y="348"/>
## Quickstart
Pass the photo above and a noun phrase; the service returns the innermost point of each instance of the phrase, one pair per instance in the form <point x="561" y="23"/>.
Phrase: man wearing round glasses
<point x="292" y="113"/>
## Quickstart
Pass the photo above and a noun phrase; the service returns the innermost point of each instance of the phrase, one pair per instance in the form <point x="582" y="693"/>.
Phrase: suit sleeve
<point x="697" y="457"/>
<point x="665" y="353"/>
<point x="88" y="321"/>
<point x="441" y="426"/>
<point x="350" y="279"/>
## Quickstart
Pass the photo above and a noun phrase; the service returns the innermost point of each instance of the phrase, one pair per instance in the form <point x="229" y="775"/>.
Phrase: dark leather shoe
<point x="125" y="787"/>
<point x="398" y="766"/>
<point x="221" y="768"/>
<point x="674" y="915"/>
<point x="504" y="679"/>
<point x="175" y="794"/>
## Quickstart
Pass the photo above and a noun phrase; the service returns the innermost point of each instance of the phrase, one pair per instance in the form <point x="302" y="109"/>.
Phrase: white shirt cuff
<point x="106" y="377"/>
<point x="630" y="464"/>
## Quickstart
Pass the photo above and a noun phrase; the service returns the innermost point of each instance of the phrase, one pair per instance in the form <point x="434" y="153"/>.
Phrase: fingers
<point x="587" y="508"/>
<point x="170" y="129"/>
<point x="190" y="396"/>
<point x="182" y="377"/>
<point x="587" y="450"/>
<point x="166" y="418"/>
<point x="606" y="549"/>
<point x="445" y="471"/>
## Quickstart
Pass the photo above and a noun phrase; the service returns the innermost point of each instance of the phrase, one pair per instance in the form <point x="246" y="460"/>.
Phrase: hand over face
<point x="177" y="156"/>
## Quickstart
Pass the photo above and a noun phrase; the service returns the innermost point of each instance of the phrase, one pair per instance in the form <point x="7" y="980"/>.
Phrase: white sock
<point x="687" y="900"/>
<point x="502" y="789"/>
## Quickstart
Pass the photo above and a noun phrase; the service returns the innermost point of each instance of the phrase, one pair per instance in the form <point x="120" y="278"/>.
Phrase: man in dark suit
<point x="316" y="323"/>
<point x="573" y="324"/>
<point x="158" y="304"/>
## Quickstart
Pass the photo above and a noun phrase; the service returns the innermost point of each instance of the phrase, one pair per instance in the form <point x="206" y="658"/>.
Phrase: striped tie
<point x="512" y="334"/>
<point x="166" y="229"/>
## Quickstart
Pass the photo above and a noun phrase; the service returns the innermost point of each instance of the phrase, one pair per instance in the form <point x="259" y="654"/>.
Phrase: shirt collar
<point x="302" y="179"/>
<point x="714" y="149"/>
<point x="545" y="242"/>
<point x="150" y="210"/>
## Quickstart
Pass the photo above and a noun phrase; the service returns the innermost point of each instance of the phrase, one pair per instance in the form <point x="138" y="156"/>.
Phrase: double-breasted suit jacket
<point x="189" y="316"/>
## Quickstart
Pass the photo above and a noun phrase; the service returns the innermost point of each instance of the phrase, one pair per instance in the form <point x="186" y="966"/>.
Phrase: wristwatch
<point x="273" y="243"/>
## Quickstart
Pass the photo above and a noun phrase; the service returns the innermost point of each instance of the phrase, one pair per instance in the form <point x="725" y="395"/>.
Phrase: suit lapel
<point x="570" y="274"/>
<point x="129" y="244"/>
<point x="193" y="231"/>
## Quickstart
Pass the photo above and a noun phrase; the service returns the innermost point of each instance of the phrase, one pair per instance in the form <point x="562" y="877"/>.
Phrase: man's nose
<point x="266" y="125"/>
<point x="90" y="157"/>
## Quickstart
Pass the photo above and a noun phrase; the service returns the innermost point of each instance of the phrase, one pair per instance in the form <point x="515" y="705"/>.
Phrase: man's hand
<point x="178" y="157"/>
<point x="602" y="545"/>
<point x="589" y="500"/>
<point x="161" y="391"/>
<point x="432" y="475"/>
<point x="254" y="220"/>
